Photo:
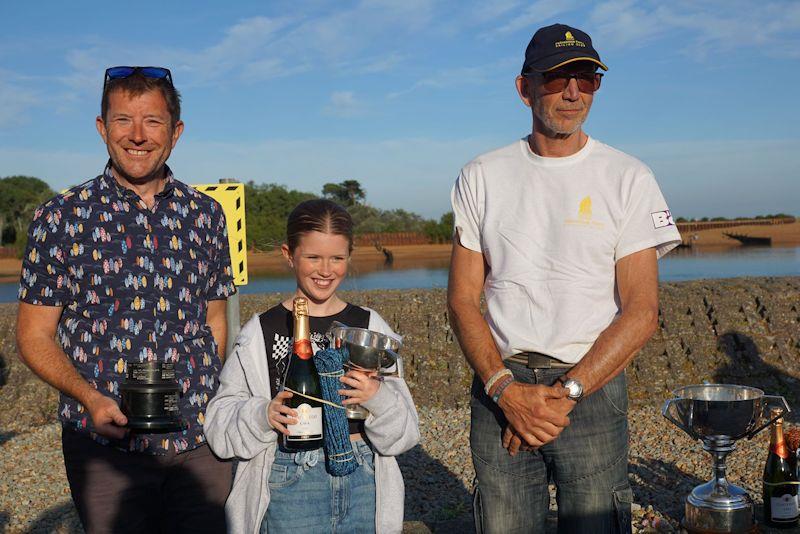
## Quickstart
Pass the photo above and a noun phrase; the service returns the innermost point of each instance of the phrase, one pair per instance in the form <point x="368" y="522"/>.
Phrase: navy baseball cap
<point x="556" y="45"/>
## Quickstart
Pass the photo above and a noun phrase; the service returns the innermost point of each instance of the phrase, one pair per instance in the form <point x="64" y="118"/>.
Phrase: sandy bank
<point x="781" y="234"/>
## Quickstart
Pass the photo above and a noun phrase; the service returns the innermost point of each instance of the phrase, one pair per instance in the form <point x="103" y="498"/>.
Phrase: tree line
<point x="716" y="219"/>
<point x="267" y="207"/>
<point x="19" y="197"/>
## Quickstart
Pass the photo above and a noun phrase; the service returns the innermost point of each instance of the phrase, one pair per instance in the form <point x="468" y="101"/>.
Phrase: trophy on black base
<point x="150" y="398"/>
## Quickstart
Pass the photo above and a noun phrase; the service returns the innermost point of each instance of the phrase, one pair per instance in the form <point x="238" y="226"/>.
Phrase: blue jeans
<point x="305" y="498"/>
<point x="588" y="463"/>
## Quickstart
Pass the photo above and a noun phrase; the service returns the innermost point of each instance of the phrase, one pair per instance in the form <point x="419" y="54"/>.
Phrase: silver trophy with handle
<point x="718" y="415"/>
<point x="369" y="351"/>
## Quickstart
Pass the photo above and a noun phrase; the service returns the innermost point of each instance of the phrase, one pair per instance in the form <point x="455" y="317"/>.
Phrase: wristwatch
<point x="574" y="386"/>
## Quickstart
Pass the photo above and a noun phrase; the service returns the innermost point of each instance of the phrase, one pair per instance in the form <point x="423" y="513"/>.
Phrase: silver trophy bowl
<point x="368" y="351"/>
<point x="718" y="415"/>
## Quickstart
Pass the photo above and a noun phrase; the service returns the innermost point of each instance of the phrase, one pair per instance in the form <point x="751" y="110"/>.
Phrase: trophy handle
<point x="398" y="366"/>
<point x="770" y="401"/>
<point x="666" y="411"/>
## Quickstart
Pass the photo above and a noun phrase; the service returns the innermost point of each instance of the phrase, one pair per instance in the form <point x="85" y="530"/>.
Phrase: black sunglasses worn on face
<point x="557" y="81"/>
<point x="115" y="73"/>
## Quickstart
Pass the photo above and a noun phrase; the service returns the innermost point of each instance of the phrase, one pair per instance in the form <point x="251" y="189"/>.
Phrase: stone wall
<point x="744" y="331"/>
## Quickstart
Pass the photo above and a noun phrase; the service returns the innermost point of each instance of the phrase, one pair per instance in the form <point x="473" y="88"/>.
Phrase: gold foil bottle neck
<point x="301" y="323"/>
<point x="776" y="412"/>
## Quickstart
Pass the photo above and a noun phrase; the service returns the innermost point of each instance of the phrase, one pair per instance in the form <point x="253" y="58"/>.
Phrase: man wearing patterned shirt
<point x="131" y="266"/>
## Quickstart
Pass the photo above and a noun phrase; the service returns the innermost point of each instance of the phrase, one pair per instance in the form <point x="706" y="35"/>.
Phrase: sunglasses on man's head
<point x="556" y="81"/>
<point x="115" y="73"/>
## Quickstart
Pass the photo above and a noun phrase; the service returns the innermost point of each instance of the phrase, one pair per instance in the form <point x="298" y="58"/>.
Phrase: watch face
<point x="574" y="387"/>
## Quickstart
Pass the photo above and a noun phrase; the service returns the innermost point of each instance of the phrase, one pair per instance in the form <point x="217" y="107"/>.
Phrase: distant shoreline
<point x="367" y="258"/>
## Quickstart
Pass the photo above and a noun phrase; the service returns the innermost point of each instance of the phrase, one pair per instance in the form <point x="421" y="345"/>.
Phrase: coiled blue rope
<point x="340" y="459"/>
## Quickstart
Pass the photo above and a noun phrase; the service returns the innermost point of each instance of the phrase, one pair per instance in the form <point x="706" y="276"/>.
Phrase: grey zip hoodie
<point x="236" y="426"/>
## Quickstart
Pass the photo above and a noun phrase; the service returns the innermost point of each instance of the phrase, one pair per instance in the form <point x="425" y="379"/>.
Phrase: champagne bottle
<point x="302" y="379"/>
<point x="780" y="481"/>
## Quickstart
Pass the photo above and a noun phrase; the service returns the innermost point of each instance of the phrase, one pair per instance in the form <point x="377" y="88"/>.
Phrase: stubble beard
<point x="549" y="126"/>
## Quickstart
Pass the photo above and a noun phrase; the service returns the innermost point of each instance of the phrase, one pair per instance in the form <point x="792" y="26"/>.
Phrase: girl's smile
<point x="320" y="262"/>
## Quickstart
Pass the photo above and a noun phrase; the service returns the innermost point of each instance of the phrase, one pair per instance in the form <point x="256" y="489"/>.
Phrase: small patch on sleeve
<point x="662" y="219"/>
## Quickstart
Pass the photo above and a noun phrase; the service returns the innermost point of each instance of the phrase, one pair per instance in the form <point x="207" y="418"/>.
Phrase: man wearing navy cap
<point x="562" y="234"/>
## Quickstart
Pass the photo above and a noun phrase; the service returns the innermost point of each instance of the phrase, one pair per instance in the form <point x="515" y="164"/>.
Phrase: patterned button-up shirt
<point x="135" y="284"/>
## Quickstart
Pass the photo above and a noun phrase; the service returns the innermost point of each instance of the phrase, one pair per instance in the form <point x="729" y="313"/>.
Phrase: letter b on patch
<point x="662" y="219"/>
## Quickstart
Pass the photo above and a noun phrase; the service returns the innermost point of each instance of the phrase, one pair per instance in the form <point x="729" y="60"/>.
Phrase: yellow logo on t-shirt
<point x="585" y="215"/>
<point x="585" y="209"/>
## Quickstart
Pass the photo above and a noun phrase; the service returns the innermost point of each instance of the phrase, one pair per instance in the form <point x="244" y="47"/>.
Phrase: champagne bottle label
<point x="784" y="507"/>
<point x="309" y="423"/>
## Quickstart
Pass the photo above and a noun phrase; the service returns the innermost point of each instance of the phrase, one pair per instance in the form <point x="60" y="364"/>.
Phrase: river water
<point x="681" y="264"/>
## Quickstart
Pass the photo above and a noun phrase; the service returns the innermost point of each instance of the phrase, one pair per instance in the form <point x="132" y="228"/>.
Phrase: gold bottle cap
<point x="300" y="306"/>
<point x="302" y="328"/>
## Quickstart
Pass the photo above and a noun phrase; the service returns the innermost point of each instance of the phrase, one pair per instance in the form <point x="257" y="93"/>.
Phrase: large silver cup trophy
<point x="718" y="415"/>
<point x="368" y="351"/>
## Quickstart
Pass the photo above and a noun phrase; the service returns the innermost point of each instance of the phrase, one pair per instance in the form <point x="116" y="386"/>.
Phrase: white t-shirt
<point x="551" y="230"/>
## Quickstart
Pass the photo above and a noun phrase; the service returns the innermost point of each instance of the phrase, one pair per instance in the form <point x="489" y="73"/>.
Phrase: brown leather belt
<point x="537" y="360"/>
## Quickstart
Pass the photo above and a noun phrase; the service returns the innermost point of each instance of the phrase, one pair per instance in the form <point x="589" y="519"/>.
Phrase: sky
<point x="399" y="95"/>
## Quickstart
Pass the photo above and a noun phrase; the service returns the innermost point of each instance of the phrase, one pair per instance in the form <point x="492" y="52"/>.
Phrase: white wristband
<point x="495" y="377"/>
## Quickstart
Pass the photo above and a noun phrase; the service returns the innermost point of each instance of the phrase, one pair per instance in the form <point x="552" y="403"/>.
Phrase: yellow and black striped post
<point x="230" y="194"/>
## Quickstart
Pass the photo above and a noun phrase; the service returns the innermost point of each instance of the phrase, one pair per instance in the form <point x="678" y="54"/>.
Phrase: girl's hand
<point x="279" y="415"/>
<point x="365" y="386"/>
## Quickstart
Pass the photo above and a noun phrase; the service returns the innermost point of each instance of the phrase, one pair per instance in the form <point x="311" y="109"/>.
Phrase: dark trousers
<point x="588" y="463"/>
<point x="116" y="491"/>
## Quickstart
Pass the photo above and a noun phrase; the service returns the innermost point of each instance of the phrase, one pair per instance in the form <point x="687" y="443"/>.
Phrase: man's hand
<point x="513" y="443"/>
<point x="108" y="419"/>
<point x="563" y="406"/>
<point x="527" y="408"/>
<point x="511" y="438"/>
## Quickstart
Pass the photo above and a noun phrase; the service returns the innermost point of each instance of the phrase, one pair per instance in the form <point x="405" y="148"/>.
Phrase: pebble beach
<point x="665" y="464"/>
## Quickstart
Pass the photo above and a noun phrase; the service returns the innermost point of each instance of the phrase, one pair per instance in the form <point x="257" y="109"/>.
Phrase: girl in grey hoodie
<point x="276" y="490"/>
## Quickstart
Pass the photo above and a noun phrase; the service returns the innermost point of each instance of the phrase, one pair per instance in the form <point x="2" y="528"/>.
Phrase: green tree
<point x="367" y="219"/>
<point x="19" y="197"/>
<point x="441" y="231"/>
<point x="267" y="206"/>
<point x="348" y="193"/>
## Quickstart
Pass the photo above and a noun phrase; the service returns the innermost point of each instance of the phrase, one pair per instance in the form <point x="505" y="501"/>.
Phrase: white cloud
<point x="17" y="100"/>
<point x="532" y="17"/>
<point x="456" y="76"/>
<point x="619" y="23"/>
<point x="493" y="9"/>
<point x="363" y="39"/>
<point x="703" y="27"/>
<point x="344" y="104"/>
